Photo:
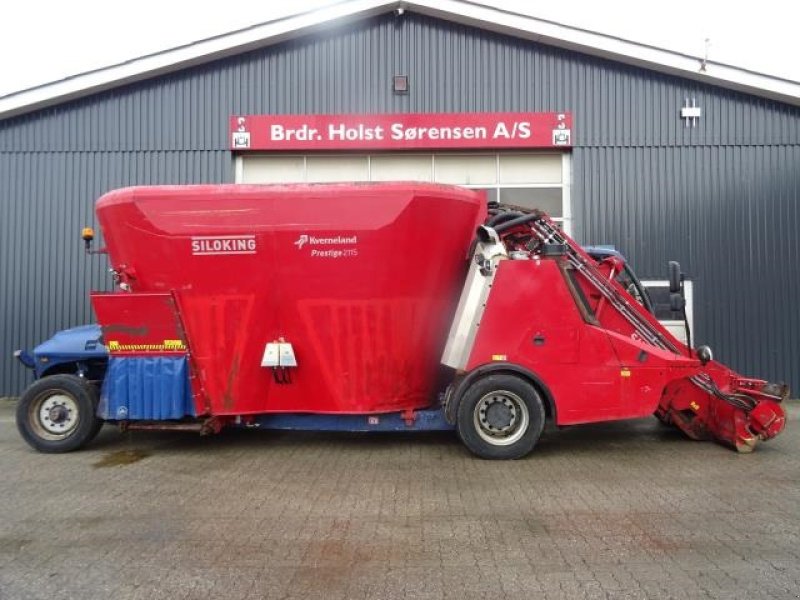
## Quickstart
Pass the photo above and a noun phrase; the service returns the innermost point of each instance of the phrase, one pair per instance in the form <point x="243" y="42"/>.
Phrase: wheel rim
<point x="54" y="415"/>
<point x="501" y="418"/>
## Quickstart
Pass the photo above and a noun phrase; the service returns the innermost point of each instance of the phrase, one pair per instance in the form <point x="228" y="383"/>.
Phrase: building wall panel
<point x="47" y="198"/>
<point x="728" y="214"/>
<point x="722" y="197"/>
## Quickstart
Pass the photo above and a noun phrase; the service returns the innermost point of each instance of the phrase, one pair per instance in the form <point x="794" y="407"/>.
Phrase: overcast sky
<point x="46" y="40"/>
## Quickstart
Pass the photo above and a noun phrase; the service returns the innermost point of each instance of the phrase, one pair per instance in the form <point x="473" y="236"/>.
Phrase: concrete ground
<point x="625" y="510"/>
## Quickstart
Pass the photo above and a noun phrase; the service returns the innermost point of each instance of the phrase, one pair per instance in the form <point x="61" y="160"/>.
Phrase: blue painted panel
<point x="146" y="388"/>
<point x="83" y="341"/>
<point x="69" y="346"/>
<point x="424" y="420"/>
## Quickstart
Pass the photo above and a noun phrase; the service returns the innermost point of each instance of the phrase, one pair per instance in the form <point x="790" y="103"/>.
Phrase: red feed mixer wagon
<point x="397" y="306"/>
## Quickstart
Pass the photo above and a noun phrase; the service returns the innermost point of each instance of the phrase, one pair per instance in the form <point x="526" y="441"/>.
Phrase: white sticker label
<point x="561" y="137"/>
<point x="240" y="139"/>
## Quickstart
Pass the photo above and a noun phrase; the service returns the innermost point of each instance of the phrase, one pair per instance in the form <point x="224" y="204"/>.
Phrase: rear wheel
<point x="58" y="414"/>
<point x="500" y="417"/>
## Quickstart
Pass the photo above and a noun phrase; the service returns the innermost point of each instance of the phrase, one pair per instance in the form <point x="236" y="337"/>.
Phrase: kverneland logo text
<point x="311" y="240"/>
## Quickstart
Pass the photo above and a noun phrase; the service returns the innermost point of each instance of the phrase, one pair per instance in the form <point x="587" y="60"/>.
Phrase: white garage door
<point x="532" y="180"/>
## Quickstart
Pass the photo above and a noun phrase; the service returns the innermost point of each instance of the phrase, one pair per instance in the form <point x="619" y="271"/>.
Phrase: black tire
<point x="662" y="420"/>
<point x="58" y="414"/>
<point x="509" y="431"/>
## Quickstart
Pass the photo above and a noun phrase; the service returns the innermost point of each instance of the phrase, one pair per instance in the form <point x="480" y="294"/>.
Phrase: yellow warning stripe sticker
<point x="167" y="346"/>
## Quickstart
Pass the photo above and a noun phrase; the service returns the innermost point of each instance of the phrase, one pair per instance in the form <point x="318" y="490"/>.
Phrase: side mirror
<point x="677" y="303"/>
<point x="675" y="277"/>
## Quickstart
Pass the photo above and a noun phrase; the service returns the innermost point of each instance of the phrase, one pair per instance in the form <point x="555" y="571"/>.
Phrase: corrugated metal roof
<point x="456" y="11"/>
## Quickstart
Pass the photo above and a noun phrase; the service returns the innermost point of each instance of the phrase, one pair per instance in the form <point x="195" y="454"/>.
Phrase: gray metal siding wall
<point x="47" y="197"/>
<point x="730" y="215"/>
<point x="721" y="197"/>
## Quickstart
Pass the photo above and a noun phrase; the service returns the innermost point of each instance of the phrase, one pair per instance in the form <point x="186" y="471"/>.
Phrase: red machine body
<point x="598" y="353"/>
<point x="368" y="284"/>
<point x="361" y="279"/>
<point x="597" y="372"/>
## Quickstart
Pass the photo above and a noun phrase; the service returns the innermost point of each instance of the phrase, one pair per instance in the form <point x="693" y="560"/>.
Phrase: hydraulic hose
<point x="506" y="225"/>
<point x="503" y="217"/>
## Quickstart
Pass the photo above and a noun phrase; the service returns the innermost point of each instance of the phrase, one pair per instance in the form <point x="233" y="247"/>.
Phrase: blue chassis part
<point x="76" y="345"/>
<point x="424" y="420"/>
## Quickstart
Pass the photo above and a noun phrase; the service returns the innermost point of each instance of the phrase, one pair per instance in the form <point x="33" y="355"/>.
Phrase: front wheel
<point x="500" y="417"/>
<point x="58" y="414"/>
